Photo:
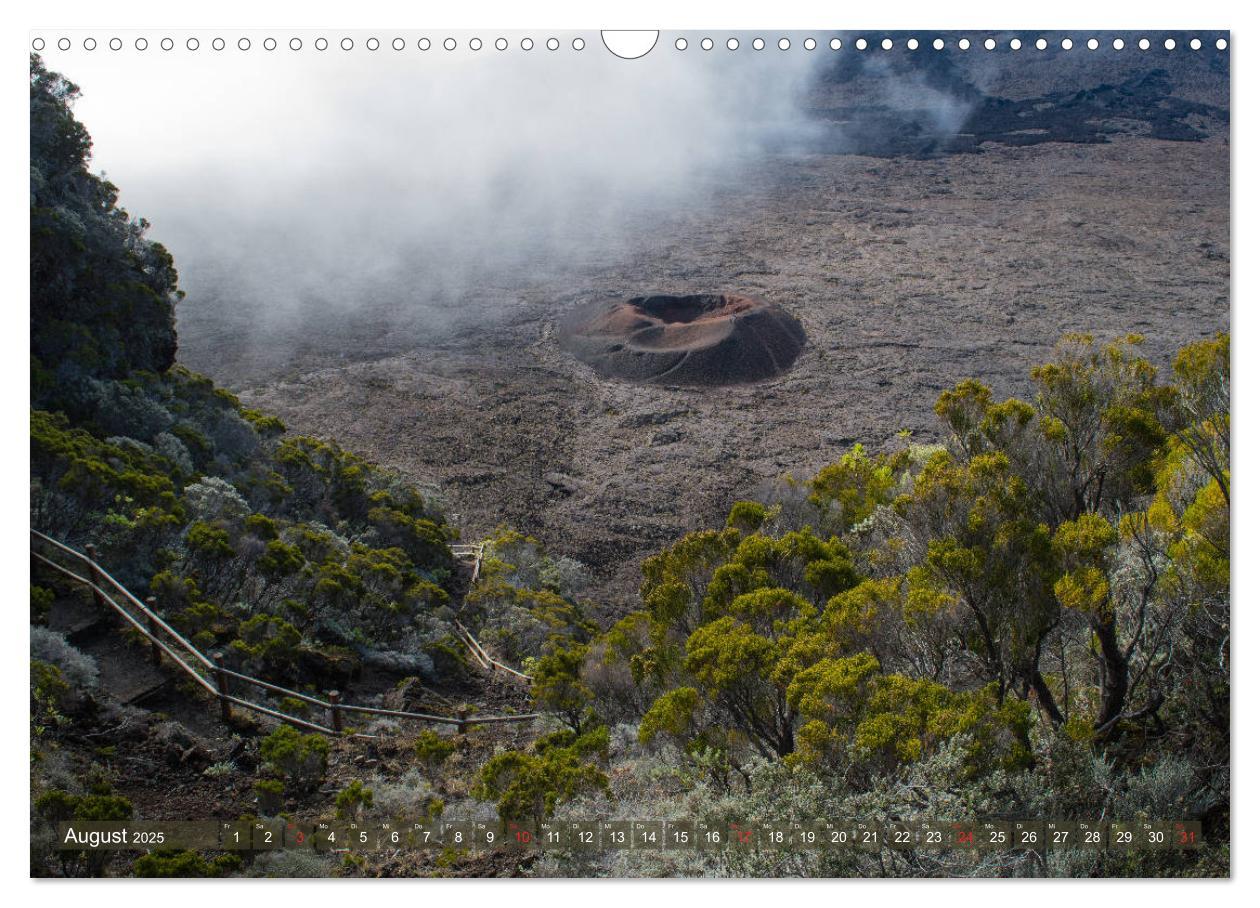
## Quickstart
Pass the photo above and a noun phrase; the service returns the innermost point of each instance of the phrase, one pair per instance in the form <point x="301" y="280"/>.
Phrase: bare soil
<point x="907" y="275"/>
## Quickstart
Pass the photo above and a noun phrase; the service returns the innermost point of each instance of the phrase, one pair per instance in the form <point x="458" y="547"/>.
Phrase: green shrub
<point x="49" y="696"/>
<point x="529" y="785"/>
<point x="209" y="541"/>
<point x="294" y="706"/>
<point x="301" y="760"/>
<point x="268" y="640"/>
<point x="433" y="750"/>
<point x="186" y="864"/>
<point x="41" y="603"/>
<point x="280" y="559"/>
<point x="558" y="687"/>
<point x="747" y="516"/>
<point x="352" y="799"/>
<point x="270" y="794"/>
<point x="261" y="526"/>
<point x="57" y="806"/>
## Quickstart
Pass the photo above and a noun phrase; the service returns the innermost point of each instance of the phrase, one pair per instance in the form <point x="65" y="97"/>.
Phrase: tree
<point x="558" y="687"/>
<point x="102" y="296"/>
<point x="1072" y="551"/>
<point x="973" y="527"/>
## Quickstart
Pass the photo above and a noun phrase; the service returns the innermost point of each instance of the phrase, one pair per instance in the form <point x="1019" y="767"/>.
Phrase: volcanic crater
<point x="697" y="339"/>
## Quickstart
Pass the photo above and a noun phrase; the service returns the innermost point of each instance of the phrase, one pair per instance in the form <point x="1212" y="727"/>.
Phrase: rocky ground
<point x="907" y="275"/>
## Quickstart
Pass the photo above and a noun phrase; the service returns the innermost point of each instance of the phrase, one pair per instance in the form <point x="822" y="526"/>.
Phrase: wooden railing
<point x="210" y="673"/>
<point x="484" y="659"/>
<point x="476" y="551"/>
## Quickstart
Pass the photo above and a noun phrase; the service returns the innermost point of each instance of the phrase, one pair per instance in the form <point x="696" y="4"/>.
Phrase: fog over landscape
<point x="349" y="178"/>
<point x="379" y="246"/>
<point x="785" y="442"/>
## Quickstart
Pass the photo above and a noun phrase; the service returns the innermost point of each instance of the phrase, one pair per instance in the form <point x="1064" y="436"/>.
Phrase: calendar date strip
<point x="641" y="835"/>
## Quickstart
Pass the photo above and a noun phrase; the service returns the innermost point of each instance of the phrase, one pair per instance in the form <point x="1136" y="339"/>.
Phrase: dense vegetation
<point x="294" y="557"/>
<point x="299" y="561"/>
<point x="1028" y="619"/>
<point x="1031" y="619"/>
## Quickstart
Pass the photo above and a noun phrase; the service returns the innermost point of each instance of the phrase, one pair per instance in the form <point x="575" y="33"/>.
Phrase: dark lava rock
<point x="1145" y="104"/>
<point x="696" y="340"/>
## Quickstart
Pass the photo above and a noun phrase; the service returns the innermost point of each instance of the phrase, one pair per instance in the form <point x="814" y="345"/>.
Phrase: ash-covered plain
<point x="909" y="266"/>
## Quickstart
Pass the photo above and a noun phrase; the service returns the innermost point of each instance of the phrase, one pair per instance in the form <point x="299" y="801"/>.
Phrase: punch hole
<point x="990" y="44"/>
<point x="1144" y="44"/>
<point x="809" y="43"/>
<point x="784" y="44"/>
<point x="450" y="44"/>
<point x="219" y="44"/>
<point x="63" y="44"/>
<point x="1041" y="44"/>
<point x="1016" y="44"/>
<point x="269" y="44"/>
<point x="886" y="44"/>
<point x="553" y="44"/>
<point x="629" y="44"/>
<point x="964" y="44"/>
<point x="347" y="44"/>
<point x="1092" y="44"/>
<point x="860" y="44"/>
<point x="758" y="44"/>
<point x="1170" y="44"/>
<point x="913" y="44"/>
<point x="243" y="44"/>
<point x="1066" y="44"/>
<point x="1118" y="44"/>
<point x="680" y="44"/>
<point x="89" y="44"/>
<point x="1221" y="44"/>
<point x="296" y="44"/>
<point x="474" y="44"/>
<point x="732" y="44"/>
<point x="578" y="44"/>
<point x="938" y="44"/>
<point x="115" y="43"/>
<point x="706" y="44"/>
<point x="501" y="44"/>
<point x="1195" y="44"/>
<point x="38" y="44"/>
<point x="167" y="44"/>
<point x="372" y="44"/>
<point x="527" y="44"/>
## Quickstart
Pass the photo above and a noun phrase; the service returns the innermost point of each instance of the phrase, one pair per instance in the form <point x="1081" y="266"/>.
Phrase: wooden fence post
<point x="221" y="678"/>
<point x="95" y="573"/>
<point x="462" y="726"/>
<point x="156" y="651"/>
<point x="334" y="710"/>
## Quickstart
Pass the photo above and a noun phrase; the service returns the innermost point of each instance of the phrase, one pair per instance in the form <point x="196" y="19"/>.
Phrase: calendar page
<point x="705" y="453"/>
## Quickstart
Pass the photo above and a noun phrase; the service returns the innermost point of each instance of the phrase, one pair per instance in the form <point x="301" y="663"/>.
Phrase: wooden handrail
<point x="476" y="550"/>
<point x="100" y="571"/>
<point x="131" y="620"/>
<point x="154" y="622"/>
<point x="486" y="660"/>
